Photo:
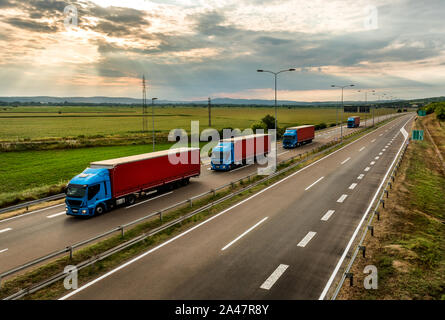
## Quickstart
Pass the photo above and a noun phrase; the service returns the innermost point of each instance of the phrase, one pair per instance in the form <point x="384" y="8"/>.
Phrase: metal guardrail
<point x="69" y="249"/>
<point x="29" y="203"/>
<point x="368" y="226"/>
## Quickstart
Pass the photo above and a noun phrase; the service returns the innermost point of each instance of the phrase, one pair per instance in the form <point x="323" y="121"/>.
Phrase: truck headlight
<point x="66" y="209"/>
<point x="84" y="212"/>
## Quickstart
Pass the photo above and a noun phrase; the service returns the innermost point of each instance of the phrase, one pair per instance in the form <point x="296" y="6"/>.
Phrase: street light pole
<point x="153" y="119"/>
<point x="366" y="100"/>
<point x="276" y="115"/>
<point x="342" y="105"/>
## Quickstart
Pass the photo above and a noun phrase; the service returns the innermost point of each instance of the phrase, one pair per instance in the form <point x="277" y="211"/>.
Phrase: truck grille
<point x="74" y="203"/>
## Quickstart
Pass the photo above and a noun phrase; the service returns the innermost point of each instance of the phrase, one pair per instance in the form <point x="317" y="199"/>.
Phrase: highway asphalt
<point x="31" y="236"/>
<point x="281" y="243"/>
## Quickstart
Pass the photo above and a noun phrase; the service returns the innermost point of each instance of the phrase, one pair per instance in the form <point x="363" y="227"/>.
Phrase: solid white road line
<point x="136" y="204"/>
<point x="243" y="234"/>
<point x="141" y="256"/>
<point x="242" y="167"/>
<point x="357" y="229"/>
<point x="31" y="212"/>
<point x="373" y="140"/>
<point x="361" y="149"/>
<point x="360" y="177"/>
<point x="346" y="160"/>
<point x="352" y="186"/>
<point x="274" y="277"/>
<point x="367" y="168"/>
<point x="327" y="215"/>
<point x="4" y="230"/>
<point x="283" y="153"/>
<point x="56" y="215"/>
<point x="314" y="183"/>
<point x="306" y="239"/>
<point x="3" y="250"/>
<point x="342" y="198"/>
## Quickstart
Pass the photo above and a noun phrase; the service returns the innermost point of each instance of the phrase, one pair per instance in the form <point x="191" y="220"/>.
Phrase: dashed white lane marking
<point x="352" y="186"/>
<point x="372" y="163"/>
<point x="274" y="277"/>
<point x="373" y="140"/>
<point x="381" y="153"/>
<point x="3" y="250"/>
<point x="282" y="153"/>
<point x="314" y="183"/>
<point x="56" y="215"/>
<point x="4" y="230"/>
<point x="342" y="198"/>
<point x="360" y="177"/>
<point x="151" y="199"/>
<point x="367" y="168"/>
<point x="380" y="134"/>
<point x="361" y="149"/>
<point x="346" y="160"/>
<point x="327" y="215"/>
<point x="377" y="158"/>
<point x="306" y="239"/>
<point x="244" y="233"/>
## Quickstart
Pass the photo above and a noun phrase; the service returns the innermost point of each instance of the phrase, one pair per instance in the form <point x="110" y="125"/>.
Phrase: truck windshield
<point x="287" y="138"/>
<point x="76" y="191"/>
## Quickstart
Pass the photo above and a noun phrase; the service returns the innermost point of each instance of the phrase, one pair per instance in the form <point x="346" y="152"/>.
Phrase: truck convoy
<point x="296" y="136"/>
<point x="110" y="183"/>
<point x="233" y="152"/>
<point x="353" y="122"/>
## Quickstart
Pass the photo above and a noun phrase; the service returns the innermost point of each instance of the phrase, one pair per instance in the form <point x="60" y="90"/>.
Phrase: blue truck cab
<point x="352" y="123"/>
<point x="223" y="156"/>
<point x="290" y="139"/>
<point x="87" y="193"/>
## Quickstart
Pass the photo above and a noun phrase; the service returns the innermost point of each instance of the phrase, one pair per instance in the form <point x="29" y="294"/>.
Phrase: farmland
<point x="34" y="123"/>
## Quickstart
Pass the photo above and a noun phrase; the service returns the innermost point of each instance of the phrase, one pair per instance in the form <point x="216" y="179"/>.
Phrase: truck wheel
<point x="185" y="181"/>
<point x="131" y="199"/>
<point x="99" y="209"/>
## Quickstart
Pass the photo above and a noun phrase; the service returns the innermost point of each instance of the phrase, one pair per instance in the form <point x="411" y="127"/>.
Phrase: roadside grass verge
<point x="408" y="247"/>
<point x="87" y="274"/>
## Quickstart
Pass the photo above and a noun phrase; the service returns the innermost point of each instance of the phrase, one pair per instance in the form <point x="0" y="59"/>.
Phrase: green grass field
<point x="45" y="122"/>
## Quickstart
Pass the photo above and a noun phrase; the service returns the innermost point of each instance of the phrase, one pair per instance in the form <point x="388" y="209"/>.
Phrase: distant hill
<point x="216" y="101"/>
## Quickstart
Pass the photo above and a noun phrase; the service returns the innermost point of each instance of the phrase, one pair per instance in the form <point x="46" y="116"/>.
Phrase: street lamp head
<point x="292" y="69"/>
<point x="351" y="85"/>
<point x="154" y="98"/>
<point x="260" y="70"/>
<point x="333" y="85"/>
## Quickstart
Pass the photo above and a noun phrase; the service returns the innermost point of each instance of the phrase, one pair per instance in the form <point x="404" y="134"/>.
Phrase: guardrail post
<point x="350" y="276"/>
<point x="371" y="228"/>
<point x="122" y="231"/>
<point x="70" y="249"/>
<point x="160" y="216"/>
<point x="378" y="215"/>
<point x="387" y="194"/>
<point x="191" y="202"/>
<point x="27" y="208"/>
<point x="390" y="185"/>
<point x="363" y="250"/>
<point x="232" y="185"/>
<point x="393" y="178"/>
<point x="0" y="282"/>
<point x="382" y="201"/>
<point x="214" y="192"/>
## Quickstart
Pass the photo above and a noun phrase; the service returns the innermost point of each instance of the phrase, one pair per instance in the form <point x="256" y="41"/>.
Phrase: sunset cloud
<point x="200" y="48"/>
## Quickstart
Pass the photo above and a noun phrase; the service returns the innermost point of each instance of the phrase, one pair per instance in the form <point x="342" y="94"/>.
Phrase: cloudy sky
<point x="192" y="49"/>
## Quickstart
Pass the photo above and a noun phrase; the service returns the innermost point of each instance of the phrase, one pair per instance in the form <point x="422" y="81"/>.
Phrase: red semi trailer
<point x="236" y="151"/>
<point x="106" y="184"/>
